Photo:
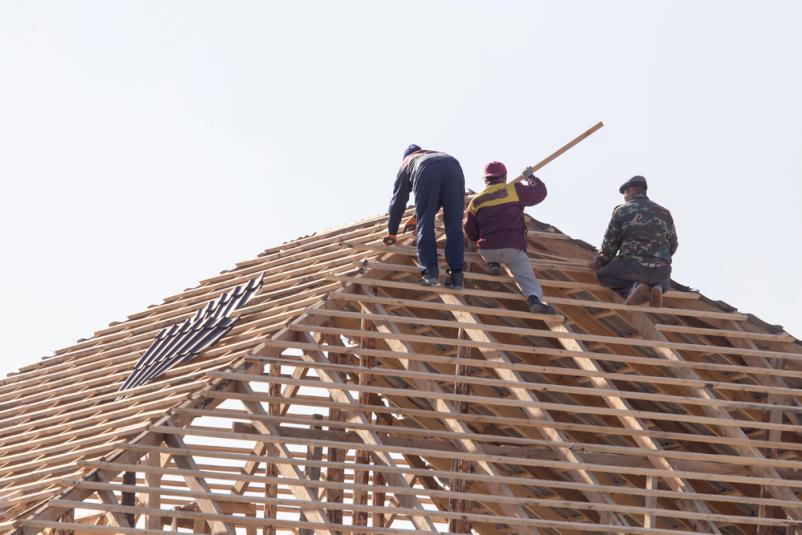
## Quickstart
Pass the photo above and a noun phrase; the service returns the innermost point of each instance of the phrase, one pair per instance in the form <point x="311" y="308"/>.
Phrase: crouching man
<point x="635" y="257"/>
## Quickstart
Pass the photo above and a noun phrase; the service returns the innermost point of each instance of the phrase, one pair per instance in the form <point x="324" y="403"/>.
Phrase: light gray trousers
<point x="518" y="263"/>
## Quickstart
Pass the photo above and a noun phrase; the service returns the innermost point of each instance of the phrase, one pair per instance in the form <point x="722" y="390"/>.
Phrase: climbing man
<point x="635" y="257"/>
<point x="437" y="180"/>
<point x="495" y="221"/>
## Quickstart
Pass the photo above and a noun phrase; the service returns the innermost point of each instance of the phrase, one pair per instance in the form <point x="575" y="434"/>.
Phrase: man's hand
<point x="598" y="262"/>
<point x="390" y="239"/>
<point x="528" y="171"/>
<point x="410" y="224"/>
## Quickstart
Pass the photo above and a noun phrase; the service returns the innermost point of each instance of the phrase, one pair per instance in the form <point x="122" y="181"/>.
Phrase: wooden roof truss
<point x="383" y="406"/>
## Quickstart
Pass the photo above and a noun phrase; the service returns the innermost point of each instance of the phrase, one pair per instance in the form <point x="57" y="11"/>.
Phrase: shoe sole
<point x="639" y="296"/>
<point x="656" y="297"/>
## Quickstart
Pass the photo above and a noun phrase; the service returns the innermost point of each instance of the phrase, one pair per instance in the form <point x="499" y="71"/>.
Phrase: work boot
<point x="454" y="280"/>
<point x="638" y="295"/>
<point x="427" y="279"/>
<point x="537" y="306"/>
<point x="494" y="268"/>
<point x="656" y="297"/>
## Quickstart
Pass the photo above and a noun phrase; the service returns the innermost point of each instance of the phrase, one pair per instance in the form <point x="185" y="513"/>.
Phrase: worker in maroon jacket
<point x="495" y="221"/>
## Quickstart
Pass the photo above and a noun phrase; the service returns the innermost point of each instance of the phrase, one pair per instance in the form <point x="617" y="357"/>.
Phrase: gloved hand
<point x="528" y="171"/>
<point x="410" y="224"/>
<point x="390" y="239"/>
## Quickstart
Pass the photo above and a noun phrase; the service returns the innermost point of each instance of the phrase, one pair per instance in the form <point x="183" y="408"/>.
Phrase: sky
<point x="147" y="145"/>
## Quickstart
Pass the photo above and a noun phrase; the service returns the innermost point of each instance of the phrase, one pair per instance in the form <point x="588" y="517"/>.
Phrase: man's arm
<point x="672" y="237"/>
<point x="612" y="240"/>
<point x="531" y="193"/>
<point x="471" y="226"/>
<point x="399" y="201"/>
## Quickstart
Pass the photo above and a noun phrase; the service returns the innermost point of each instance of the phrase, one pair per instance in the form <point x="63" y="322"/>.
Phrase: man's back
<point x="495" y="216"/>
<point x="642" y="230"/>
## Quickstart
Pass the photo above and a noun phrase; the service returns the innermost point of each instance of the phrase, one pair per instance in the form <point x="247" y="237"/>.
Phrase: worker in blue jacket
<point x="437" y="180"/>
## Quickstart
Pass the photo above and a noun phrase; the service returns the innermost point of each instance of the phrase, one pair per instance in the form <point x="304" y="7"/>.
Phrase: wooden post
<point x="271" y="470"/>
<point x="68" y="516"/>
<point x="313" y="453"/>
<point x="129" y="498"/>
<point x="335" y="455"/>
<point x="154" y="497"/>
<point x="379" y="520"/>
<point x="361" y="475"/>
<point x="775" y="416"/>
<point x="651" y="503"/>
<point x="458" y="485"/>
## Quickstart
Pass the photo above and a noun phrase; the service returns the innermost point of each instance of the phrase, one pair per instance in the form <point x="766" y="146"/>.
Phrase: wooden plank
<point x="552" y="387"/>
<point x="625" y="359"/>
<point x="646" y="327"/>
<point x="293" y="478"/>
<point x="725" y="333"/>
<point x="705" y="420"/>
<point x="530" y="481"/>
<point x="512" y="521"/>
<point x="369" y="437"/>
<point x="550" y="433"/>
<point x="371" y="266"/>
<point x="546" y="333"/>
<point x="554" y="300"/>
<point x="461" y="431"/>
<point x="525" y="423"/>
<point x="513" y="348"/>
<point x="198" y="484"/>
<point x="618" y="401"/>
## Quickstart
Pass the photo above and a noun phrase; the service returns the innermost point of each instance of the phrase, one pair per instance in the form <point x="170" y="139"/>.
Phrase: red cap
<point x="495" y="170"/>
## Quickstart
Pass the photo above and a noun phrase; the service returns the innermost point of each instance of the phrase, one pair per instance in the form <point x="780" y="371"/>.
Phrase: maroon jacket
<point x="495" y="217"/>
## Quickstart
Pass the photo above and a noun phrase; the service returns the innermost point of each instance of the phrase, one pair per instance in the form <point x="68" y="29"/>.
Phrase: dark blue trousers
<point x="440" y="184"/>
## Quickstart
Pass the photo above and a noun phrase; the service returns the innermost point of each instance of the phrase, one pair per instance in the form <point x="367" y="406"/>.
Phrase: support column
<point x="129" y="498"/>
<point x="379" y="520"/>
<point x="362" y="475"/>
<point x="335" y="455"/>
<point x="68" y="516"/>
<point x="313" y="453"/>
<point x="271" y="470"/>
<point x="153" y="498"/>
<point x="651" y="503"/>
<point x="458" y="485"/>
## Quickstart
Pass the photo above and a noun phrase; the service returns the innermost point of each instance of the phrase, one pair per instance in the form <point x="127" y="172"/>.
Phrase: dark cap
<point x="409" y="150"/>
<point x="636" y="180"/>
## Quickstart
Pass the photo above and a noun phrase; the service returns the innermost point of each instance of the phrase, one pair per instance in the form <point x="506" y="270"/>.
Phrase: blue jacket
<point x="413" y="167"/>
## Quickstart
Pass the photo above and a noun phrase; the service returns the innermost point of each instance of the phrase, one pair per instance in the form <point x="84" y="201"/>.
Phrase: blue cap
<point x="412" y="148"/>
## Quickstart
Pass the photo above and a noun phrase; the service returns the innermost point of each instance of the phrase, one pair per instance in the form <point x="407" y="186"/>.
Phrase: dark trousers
<point x="441" y="184"/>
<point x="622" y="273"/>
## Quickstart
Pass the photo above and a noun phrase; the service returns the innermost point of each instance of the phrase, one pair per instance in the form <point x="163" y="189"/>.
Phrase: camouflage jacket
<point x="640" y="230"/>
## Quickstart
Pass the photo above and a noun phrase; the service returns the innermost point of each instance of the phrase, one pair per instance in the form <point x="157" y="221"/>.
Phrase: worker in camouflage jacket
<point x="635" y="256"/>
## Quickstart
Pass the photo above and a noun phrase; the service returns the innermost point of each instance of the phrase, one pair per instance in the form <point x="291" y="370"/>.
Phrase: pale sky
<point x="147" y="145"/>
